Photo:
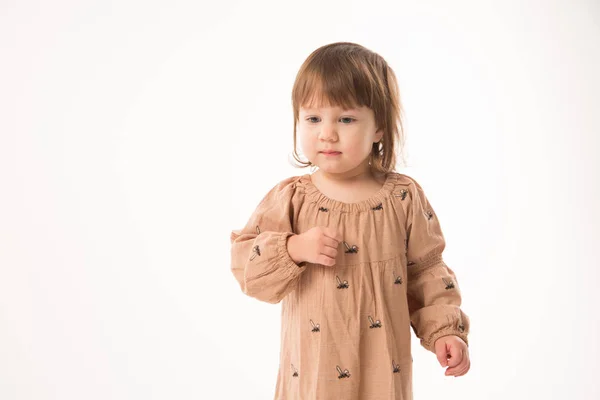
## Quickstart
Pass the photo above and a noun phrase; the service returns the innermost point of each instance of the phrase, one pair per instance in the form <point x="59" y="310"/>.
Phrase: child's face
<point x="349" y="132"/>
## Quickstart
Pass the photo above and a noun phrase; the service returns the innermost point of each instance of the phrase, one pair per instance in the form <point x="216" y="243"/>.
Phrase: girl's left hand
<point x="452" y="351"/>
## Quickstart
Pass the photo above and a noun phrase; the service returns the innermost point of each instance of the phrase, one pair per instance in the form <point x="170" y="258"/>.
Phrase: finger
<point x="467" y="366"/>
<point x="329" y="232"/>
<point x="334" y="234"/>
<point x="442" y="355"/>
<point x="454" y="370"/>
<point x="327" y="241"/>
<point x="461" y="373"/>
<point x="456" y="356"/>
<point x="460" y="368"/>
<point x="325" y="260"/>
<point x="329" y="251"/>
<point x="453" y="365"/>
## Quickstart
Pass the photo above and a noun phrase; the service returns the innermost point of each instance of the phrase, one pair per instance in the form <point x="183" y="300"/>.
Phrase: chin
<point x="333" y="169"/>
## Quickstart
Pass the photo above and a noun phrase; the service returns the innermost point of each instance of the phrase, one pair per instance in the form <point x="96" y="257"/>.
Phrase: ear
<point x="378" y="136"/>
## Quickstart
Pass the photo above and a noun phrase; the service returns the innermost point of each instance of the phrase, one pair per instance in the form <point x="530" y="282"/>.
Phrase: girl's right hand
<point x="318" y="245"/>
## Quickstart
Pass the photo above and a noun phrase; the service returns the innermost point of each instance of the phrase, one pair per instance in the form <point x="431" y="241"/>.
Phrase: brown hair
<point x="350" y="75"/>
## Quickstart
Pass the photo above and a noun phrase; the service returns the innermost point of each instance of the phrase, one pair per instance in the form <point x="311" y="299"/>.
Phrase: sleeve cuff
<point x="284" y="259"/>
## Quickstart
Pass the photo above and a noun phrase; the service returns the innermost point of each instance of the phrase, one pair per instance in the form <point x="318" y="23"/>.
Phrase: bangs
<point x="322" y="92"/>
<point x="331" y="84"/>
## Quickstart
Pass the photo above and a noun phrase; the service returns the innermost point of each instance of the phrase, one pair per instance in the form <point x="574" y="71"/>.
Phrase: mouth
<point x="331" y="153"/>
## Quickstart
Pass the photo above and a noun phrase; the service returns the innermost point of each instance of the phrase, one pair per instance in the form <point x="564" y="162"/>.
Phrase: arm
<point x="260" y="260"/>
<point x="434" y="297"/>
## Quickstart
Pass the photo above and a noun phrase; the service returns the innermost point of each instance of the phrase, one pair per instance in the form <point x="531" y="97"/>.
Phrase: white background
<point x="135" y="135"/>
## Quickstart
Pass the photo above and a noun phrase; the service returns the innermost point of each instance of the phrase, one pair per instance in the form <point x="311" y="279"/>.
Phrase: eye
<point x="350" y="119"/>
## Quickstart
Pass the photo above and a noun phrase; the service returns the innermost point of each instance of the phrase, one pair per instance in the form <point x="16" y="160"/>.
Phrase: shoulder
<point x="285" y="189"/>
<point x="405" y="181"/>
<point x="408" y="187"/>
<point x="289" y="184"/>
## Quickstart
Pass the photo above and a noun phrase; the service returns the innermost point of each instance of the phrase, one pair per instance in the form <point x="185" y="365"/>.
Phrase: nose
<point x="328" y="132"/>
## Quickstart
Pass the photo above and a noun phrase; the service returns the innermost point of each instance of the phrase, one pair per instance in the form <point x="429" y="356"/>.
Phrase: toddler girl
<point x="352" y="251"/>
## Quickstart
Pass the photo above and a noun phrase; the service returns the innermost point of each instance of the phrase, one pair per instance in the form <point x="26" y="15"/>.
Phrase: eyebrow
<point x="316" y="109"/>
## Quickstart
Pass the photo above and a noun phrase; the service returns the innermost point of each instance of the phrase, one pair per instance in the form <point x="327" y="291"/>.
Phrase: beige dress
<point x="345" y="329"/>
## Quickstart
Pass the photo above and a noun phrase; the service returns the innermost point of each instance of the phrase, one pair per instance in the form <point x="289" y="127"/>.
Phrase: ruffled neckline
<point x="368" y="204"/>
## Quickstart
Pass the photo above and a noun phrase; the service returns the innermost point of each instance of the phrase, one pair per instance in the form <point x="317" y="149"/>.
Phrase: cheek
<point x="305" y="141"/>
<point x="357" y="144"/>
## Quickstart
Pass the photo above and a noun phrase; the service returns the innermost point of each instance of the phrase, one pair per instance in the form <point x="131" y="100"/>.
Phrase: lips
<point x="330" y="154"/>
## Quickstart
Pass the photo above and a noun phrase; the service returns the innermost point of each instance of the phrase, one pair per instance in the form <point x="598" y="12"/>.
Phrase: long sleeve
<point x="434" y="297"/>
<point x="260" y="260"/>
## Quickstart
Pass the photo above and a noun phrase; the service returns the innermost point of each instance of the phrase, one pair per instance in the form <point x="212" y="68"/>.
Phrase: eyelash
<point x="350" y="118"/>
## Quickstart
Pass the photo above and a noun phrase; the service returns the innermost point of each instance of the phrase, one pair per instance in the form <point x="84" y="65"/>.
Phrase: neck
<point x="360" y="173"/>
